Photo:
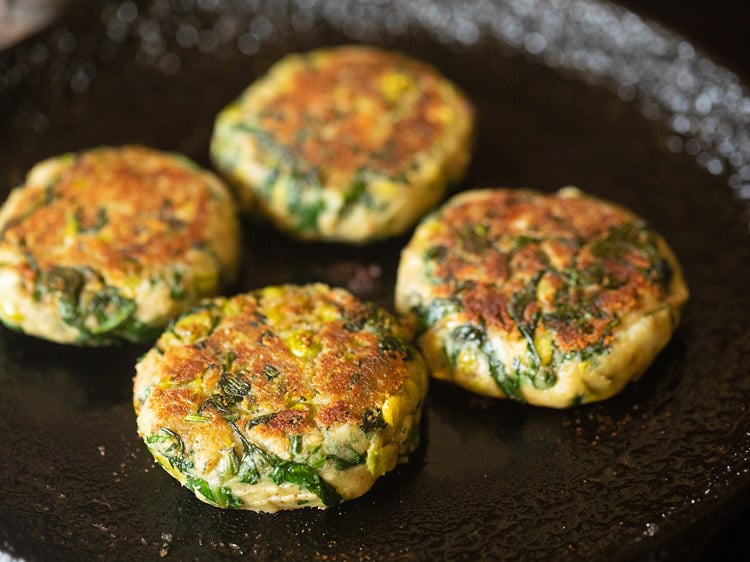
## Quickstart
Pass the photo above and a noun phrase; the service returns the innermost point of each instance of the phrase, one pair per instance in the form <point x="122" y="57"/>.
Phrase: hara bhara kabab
<point x="110" y="244"/>
<point x="285" y="397"/>
<point x="549" y="299"/>
<point x="347" y="144"/>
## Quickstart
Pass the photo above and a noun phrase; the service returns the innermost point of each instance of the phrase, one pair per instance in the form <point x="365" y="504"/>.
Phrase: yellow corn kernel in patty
<point x="394" y="84"/>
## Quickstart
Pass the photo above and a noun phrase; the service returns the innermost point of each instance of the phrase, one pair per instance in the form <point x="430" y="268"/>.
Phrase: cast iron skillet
<point x="562" y="99"/>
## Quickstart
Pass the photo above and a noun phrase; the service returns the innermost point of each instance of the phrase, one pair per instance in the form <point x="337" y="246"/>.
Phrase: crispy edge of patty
<point x="511" y="337"/>
<point x="310" y="393"/>
<point x="378" y="170"/>
<point x="112" y="242"/>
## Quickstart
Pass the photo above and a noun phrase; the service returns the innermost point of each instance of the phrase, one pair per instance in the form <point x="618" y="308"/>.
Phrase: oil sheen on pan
<point x="586" y="94"/>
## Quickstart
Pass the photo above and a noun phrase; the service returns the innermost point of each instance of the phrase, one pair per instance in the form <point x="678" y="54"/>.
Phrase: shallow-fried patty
<point x="281" y="398"/>
<point x="111" y="243"/>
<point x="346" y="144"/>
<point x="554" y="300"/>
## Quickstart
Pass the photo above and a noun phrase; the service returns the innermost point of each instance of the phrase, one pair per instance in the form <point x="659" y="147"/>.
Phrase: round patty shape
<point x="553" y="300"/>
<point x="285" y="397"/>
<point x="348" y="144"/>
<point x="111" y="243"/>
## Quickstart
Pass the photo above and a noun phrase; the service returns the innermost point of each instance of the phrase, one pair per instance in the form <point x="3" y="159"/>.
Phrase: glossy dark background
<point x="721" y="28"/>
<point x="718" y="29"/>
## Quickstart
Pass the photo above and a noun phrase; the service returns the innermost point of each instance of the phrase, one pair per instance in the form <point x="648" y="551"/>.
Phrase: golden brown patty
<point x="348" y="144"/>
<point x="112" y="243"/>
<point x="553" y="300"/>
<point x="285" y="397"/>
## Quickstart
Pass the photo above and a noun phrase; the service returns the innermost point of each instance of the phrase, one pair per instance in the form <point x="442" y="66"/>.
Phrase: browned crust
<point x="329" y="87"/>
<point x="348" y="376"/>
<point x="495" y="246"/>
<point x="155" y="209"/>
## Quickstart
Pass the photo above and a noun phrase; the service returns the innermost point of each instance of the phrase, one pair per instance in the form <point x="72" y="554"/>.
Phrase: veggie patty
<point x="111" y="243"/>
<point x="285" y="397"/>
<point x="346" y="144"/>
<point x="554" y="300"/>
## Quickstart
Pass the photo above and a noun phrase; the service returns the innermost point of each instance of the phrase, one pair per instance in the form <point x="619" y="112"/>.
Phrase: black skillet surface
<point x="562" y="99"/>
